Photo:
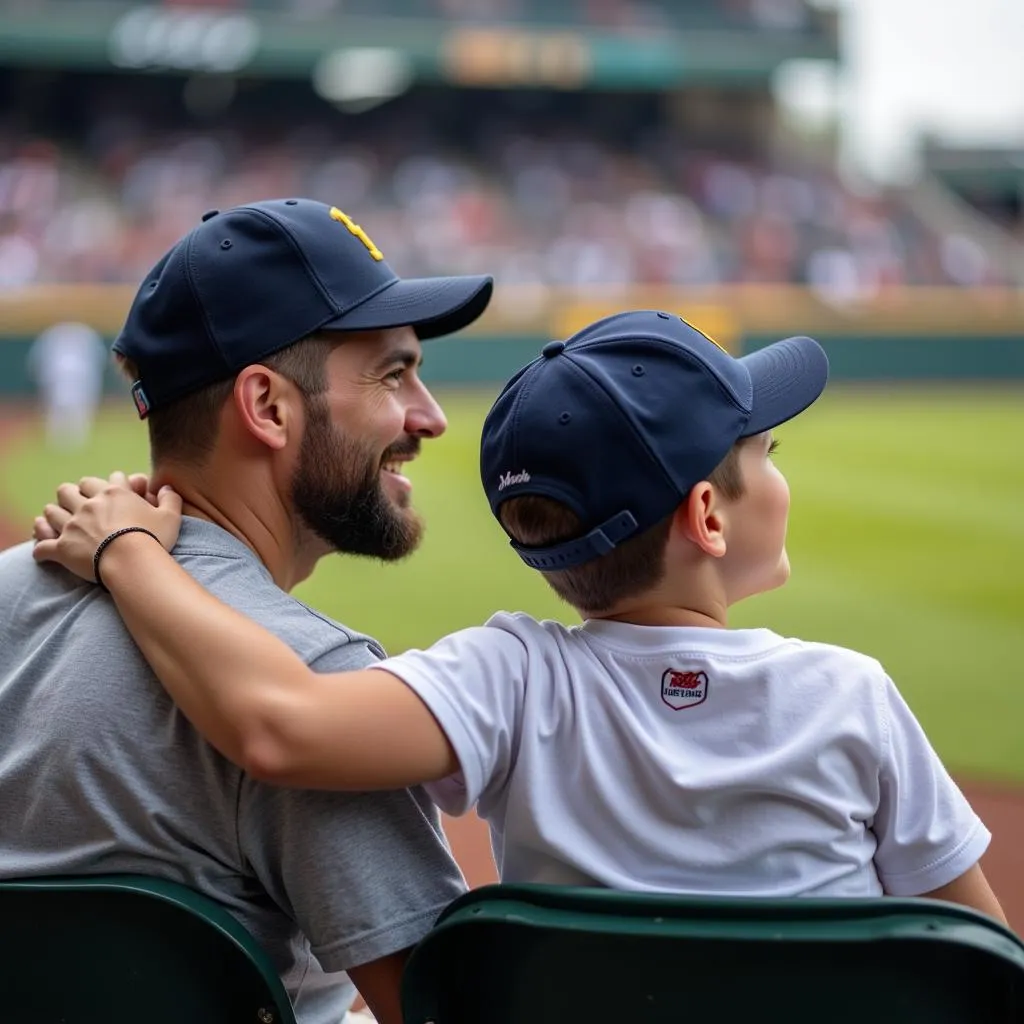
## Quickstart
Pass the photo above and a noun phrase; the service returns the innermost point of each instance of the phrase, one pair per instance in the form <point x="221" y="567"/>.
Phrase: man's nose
<point x="424" y="417"/>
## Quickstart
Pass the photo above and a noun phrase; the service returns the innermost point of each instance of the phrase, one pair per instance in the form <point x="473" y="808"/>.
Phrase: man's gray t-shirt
<point x="100" y="772"/>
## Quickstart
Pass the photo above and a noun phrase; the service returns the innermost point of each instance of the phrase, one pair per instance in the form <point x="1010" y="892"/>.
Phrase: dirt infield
<point x="1000" y="807"/>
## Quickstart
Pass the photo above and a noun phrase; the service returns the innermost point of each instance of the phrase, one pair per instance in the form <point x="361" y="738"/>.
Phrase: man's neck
<point x="264" y="526"/>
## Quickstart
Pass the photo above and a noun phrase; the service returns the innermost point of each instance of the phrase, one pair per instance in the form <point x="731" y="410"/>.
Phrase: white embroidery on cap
<point x="509" y="478"/>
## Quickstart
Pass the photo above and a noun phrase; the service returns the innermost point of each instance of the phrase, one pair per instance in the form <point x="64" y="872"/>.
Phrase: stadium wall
<point x="910" y="334"/>
<point x="494" y="359"/>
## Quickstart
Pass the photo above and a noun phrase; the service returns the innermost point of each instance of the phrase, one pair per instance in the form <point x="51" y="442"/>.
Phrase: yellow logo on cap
<point x="706" y="335"/>
<point x="356" y="230"/>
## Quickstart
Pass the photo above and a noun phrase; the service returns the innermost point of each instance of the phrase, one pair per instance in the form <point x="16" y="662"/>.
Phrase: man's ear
<point x="267" y="405"/>
<point x="702" y="520"/>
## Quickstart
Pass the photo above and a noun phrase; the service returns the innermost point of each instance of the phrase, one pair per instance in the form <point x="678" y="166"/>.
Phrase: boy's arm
<point x="971" y="889"/>
<point x="380" y="985"/>
<point x="255" y="700"/>
<point x="245" y="690"/>
<point x="929" y="839"/>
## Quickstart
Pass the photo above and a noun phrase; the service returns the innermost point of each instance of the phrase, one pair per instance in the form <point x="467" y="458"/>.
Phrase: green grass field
<point x="906" y="539"/>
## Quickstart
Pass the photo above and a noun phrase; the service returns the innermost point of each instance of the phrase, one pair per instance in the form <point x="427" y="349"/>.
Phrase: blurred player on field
<point x="67" y="362"/>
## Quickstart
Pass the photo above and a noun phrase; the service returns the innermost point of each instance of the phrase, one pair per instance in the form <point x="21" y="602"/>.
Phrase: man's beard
<point x="337" y="492"/>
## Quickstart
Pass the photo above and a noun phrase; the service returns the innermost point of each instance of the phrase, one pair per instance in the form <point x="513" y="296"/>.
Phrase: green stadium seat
<point x="124" y="949"/>
<point x="545" y="954"/>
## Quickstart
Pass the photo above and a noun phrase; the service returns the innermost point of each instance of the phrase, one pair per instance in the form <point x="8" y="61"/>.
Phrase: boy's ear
<point x="701" y="519"/>
<point x="265" y="404"/>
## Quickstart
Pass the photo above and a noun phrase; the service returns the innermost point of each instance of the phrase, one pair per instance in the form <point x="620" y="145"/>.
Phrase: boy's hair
<point x="635" y="565"/>
<point x="186" y="430"/>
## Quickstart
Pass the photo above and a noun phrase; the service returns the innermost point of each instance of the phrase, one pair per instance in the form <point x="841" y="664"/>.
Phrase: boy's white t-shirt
<point x="730" y="762"/>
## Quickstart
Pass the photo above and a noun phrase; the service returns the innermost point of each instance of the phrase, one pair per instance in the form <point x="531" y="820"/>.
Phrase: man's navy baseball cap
<point x="254" y="279"/>
<point x="620" y="421"/>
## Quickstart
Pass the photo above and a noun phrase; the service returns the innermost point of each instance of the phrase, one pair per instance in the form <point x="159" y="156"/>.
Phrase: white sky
<point x="952" y="67"/>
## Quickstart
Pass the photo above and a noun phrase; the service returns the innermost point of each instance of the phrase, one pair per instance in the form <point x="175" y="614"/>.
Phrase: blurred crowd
<point x="541" y="206"/>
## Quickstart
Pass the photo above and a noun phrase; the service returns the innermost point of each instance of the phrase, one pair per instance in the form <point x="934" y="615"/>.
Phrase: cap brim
<point x="432" y="306"/>
<point x="787" y="377"/>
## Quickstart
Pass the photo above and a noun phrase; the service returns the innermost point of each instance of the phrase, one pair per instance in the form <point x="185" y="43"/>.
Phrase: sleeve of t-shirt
<point x="473" y="683"/>
<point x="362" y="875"/>
<point x="928" y="834"/>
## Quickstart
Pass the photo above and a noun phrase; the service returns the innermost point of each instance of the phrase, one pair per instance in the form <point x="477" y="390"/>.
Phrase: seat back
<point x="547" y="954"/>
<point x="129" y="950"/>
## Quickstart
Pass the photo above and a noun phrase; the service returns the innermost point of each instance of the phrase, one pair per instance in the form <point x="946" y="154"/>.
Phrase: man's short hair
<point x="186" y="429"/>
<point x="635" y="565"/>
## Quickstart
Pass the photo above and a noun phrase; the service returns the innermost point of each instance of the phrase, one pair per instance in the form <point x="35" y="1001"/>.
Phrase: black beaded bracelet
<point x="108" y="540"/>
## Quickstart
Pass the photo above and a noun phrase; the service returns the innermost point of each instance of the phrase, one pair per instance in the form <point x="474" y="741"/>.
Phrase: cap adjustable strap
<point x="599" y="541"/>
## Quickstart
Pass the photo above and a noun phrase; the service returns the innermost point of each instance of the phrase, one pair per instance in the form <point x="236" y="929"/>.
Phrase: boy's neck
<point x="666" y="615"/>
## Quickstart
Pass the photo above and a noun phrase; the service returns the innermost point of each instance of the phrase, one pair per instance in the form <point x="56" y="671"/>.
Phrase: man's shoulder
<point x="232" y="572"/>
<point x="20" y="573"/>
<point x="18" y="555"/>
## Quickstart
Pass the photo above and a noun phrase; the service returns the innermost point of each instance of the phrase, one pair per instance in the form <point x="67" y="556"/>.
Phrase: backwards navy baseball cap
<point x="254" y="279"/>
<point x="620" y="421"/>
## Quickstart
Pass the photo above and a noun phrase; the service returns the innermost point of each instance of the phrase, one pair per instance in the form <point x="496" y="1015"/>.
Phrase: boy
<point x="649" y="748"/>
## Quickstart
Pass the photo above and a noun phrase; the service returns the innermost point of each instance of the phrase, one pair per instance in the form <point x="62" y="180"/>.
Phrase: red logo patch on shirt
<point x="683" y="689"/>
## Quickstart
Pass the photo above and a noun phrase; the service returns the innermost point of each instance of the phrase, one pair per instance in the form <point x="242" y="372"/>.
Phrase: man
<point x="275" y="357"/>
<point x="67" y="362"/>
